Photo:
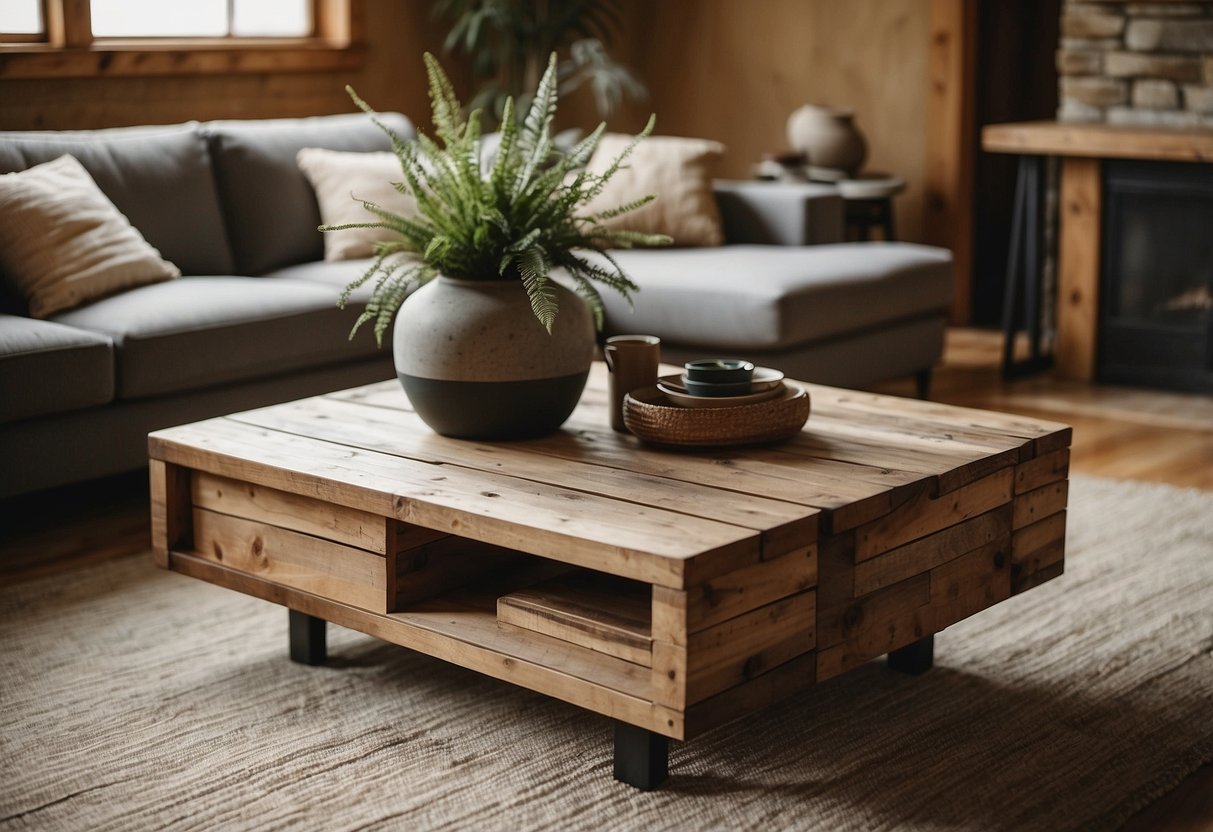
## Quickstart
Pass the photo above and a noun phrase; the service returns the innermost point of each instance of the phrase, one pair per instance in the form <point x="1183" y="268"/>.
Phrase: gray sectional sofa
<point x="254" y="321"/>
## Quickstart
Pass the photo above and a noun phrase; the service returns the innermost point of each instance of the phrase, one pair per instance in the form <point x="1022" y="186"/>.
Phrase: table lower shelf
<point x="462" y="628"/>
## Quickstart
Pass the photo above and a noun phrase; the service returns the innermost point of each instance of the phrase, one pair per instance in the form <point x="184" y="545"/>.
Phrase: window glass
<point x="21" y="17"/>
<point x="200" y="18"/>
<point x="156" y="18"/>
<point x="272" y="18"/>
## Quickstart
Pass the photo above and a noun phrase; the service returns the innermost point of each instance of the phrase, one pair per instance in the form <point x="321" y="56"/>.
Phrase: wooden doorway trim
<point x="951" y="141"/>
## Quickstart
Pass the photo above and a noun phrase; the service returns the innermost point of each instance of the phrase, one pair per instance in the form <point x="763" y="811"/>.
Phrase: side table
<point x="869" y="203"/>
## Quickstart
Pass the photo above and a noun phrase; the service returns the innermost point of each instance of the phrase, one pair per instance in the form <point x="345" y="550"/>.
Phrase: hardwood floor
<point x="1122" y="433"/>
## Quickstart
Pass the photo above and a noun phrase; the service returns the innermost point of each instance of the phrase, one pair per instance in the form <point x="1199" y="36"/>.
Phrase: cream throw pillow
<point x="338" y="177"/>
<point x="679" y="171"/>
<point x="63" y="243"/>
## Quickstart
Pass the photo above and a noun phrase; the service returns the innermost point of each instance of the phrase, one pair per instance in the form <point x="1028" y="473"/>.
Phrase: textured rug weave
<point x="132" y="698"/>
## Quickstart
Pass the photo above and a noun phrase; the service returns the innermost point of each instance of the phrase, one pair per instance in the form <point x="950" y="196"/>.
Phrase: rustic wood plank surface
<point x="756" y="570"/>
<point x="304" y="514"/>
<point x="612" y="616"/>
<point x="471" y="638"/>
<point x="600" y="533"/>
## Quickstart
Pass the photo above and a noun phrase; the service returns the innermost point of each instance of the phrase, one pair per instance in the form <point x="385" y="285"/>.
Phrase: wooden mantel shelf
<point x="1100" y="141"/>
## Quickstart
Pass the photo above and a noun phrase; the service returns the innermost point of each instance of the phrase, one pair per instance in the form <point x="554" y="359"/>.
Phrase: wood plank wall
<point x="735" y="71"/>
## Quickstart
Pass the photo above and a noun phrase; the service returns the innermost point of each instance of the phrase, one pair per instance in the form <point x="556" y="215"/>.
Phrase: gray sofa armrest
<point x="779" y="213"/>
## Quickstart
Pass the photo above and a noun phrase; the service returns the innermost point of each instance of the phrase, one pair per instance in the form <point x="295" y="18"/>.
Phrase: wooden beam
<point x="950" y="141"/>
<point x="1078" y="268"/>
<point x="1100" y="141"/>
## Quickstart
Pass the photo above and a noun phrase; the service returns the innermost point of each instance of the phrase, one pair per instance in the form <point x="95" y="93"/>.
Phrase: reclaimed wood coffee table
<point x="668" y="590"/>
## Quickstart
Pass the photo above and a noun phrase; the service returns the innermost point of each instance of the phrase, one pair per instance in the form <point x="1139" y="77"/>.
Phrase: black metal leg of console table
<point x="914" y="658"/>
<point x="641" y="757"/>
<point x="307" y="638"/>
<point x="1023" y="302"/>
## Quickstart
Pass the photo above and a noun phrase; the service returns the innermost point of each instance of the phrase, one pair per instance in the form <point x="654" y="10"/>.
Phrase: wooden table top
<point x="595" y="498"/>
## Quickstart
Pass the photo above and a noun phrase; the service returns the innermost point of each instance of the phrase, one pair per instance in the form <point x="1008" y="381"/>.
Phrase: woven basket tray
<point x="652" y="417"/>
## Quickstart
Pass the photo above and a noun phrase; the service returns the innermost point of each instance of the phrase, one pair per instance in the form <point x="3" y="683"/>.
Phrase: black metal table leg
<point x="641" y="757"/>
<point x="1024" y="261"/>
<point x="914" y="658"/>
<point x="307" y="638"/>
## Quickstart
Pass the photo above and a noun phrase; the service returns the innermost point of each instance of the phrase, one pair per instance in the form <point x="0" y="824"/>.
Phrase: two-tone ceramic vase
<point x="477" y="364"/>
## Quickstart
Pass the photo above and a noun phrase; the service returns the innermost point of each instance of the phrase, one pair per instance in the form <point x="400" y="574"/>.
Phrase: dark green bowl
<point x="720" y="371"/>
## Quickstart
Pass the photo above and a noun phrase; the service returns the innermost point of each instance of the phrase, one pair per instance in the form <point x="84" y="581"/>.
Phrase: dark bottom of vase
<point x="494" y="409"/>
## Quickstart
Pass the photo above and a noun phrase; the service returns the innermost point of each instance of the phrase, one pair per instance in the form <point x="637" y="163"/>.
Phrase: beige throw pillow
<point x="63" y="243"/>
<point x="340" y="179"/>
<point x="679" y="171"/>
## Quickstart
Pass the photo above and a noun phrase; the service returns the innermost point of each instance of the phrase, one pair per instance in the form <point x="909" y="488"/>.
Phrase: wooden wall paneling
<point x="723" y="70"/>
<point x="1078" y="267"/>
<point x="951" y="142"/>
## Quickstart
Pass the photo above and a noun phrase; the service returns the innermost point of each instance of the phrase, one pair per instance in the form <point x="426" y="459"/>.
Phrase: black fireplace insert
<point x="1156" y="289"/>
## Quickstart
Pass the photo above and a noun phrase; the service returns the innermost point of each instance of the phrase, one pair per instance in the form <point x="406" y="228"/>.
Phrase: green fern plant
<point x="517" y="221"/>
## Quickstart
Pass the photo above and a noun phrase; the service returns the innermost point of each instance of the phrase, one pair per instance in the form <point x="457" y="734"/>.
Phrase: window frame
<point x="67" y="48"/>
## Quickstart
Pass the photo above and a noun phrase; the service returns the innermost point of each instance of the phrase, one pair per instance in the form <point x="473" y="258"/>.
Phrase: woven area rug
<point x="132" y="698"/>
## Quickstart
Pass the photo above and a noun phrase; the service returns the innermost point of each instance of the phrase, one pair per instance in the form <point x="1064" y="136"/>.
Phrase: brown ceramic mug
<point x="632" y="360"/>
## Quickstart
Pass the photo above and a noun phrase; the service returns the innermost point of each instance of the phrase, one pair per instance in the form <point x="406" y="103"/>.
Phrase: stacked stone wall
<point x="1143" y="62"/>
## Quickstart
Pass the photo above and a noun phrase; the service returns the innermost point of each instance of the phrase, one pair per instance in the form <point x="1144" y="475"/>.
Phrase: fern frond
<point x="448" y="114"/>
<point x="518" y="220"/>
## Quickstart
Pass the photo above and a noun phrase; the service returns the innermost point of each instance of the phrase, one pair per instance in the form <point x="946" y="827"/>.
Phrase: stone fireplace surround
<point x="1147" y="63"/>
<point x="1135" y="83"/>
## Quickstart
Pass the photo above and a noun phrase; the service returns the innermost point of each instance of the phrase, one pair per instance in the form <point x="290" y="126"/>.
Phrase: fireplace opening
<point x="1156" y="292"/>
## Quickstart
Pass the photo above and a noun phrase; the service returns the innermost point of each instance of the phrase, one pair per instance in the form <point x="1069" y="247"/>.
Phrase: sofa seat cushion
<point x="159" y="177"/>
<point x="271" y="210"/>
<point x="47" y="367"/>
<point x="775" y="297"/>
<point x="201" y="331"/>
<point x="334" y="276"/>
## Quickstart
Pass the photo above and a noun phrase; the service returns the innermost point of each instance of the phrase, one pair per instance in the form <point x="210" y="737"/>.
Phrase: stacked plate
<point x="763" y="409"/>
<point x="764" y="384"/>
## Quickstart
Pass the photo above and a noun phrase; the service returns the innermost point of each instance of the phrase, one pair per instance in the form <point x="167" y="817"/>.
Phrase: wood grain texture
<point x="171" y="516"/>
<point x="1040" y="503"/>
<point x="470" y="638"/>
<point x="1042" y="470"/>
<point x="741" y="590"/>
<point x="927" y="514"/>
<point x="322" y="567"/>
<point x="950" y="116"/>
<point x="582" y="529"/>
<point x="736" y="651"/>
<point x="778" y="684"/>
<point x="716" y="71"/>
<point x="609" y="615"/>
<point x="928" y="552"/>
<point x="281" y="508"/>
<point x="1078" y="268"/>
<point x="736" y="559"/>
<point x="1100" y="141"/>
<point x="434" y="568"/>
<point x="854" y="619"/>
<point x="970" y="583"/>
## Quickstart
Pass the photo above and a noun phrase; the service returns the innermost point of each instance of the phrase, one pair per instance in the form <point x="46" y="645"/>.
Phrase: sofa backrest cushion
<point x="269" y="205"/>
<point x="159" y="177"/>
